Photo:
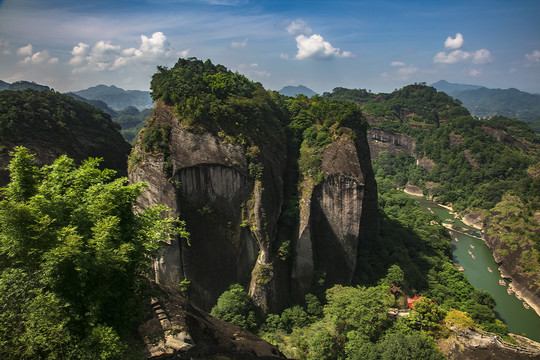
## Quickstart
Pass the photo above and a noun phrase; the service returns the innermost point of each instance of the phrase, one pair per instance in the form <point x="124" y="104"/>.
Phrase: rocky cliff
<point x="231" y="216"/>
<point x="384" y="140"/>
<point x="220" y="158"/>
<point x="512" y="249"/>
<point x="338" y="216"/>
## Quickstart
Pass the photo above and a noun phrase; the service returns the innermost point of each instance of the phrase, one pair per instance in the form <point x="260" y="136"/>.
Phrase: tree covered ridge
<point x="488" y="165"/>
<point x="33" y="111"/>
<point x="74" y="255"/>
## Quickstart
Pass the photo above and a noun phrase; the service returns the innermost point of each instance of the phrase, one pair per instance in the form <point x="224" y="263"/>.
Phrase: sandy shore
<point x="413" y="190"/>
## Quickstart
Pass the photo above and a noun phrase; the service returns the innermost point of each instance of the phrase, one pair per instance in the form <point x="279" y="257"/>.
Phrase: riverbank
<point x="413" y="190"/>
<point x="522" y="291"/>
<point x="475" y="220"/>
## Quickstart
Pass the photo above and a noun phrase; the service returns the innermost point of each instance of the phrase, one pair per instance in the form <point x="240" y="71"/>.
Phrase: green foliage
<point x="235" y="306"/>
<point x="73" y="259"/>
<point x="413" y="346"/>
<point x="314" y="122"/>
<point x="23" y="113"/>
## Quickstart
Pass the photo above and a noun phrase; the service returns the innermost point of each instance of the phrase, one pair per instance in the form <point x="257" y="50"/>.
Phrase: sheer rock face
<point x="337" y="216"/>
<point x="231" y="217"/>
<point x="382" y="140"/>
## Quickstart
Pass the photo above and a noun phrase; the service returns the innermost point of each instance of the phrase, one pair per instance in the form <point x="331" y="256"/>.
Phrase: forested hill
<point x="486" y="166"/>
<point x="484" y="102"/>
<point x="117" y="98"/>
<point x="51" y="124"/>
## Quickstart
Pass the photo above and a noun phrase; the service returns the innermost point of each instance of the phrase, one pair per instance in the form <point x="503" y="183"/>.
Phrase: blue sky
<point x="377" y="45"/>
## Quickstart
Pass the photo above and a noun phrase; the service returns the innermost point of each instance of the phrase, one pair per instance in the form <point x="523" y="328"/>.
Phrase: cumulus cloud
<point x="482" y="56"/>
<point x="457" y="55"/>
<point x="239" y="44"/>
<point x="454" y="43"/>
<point x="451" y="57"/>
<point x="474" y="72"/>
<point x="79" y="53"/>
<point x="105" y="56"/>
<point x="315" y="47"/>
<point x="25" y="50"/>
<point x="40" y="57"/>
<point x="403" y="72"/>
<point x="312" y="46"/>
<point x="299" y="27"/>
<point x="252" y="71"/>
<point x="533" y="57"/>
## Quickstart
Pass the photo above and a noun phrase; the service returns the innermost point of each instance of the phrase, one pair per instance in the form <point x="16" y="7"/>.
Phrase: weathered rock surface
<point x="175" y="329"/>
<point x="231" y="217"/>
<point x="382" y="140"/>
<point x="337" y="216"/>
<point x="510" y="265"/>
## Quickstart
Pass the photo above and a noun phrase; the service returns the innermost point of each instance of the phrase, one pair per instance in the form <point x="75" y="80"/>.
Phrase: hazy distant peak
<point x="452" y="88"/>
<point x="295" y="90"/>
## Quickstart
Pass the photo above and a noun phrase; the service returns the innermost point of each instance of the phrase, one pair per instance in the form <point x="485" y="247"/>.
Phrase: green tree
<point x="73" y="256"/>
<point x="235" y="306"/>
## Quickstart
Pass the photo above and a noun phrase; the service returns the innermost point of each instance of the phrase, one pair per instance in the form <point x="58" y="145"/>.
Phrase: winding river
<point x="509" y="308"/>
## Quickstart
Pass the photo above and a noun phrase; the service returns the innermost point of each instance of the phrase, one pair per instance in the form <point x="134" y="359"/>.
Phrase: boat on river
<point x="456" y="239"/>
<point x="519" y="296"/>
<point x="489" y="269"/>
<point x="472" y="246"/>
<point x="474" y="257"/>
<point x="510" y="291"/>
<point x="470" y="252"/>
<point x="526" y="305"/>
<point x="502" y="282"/>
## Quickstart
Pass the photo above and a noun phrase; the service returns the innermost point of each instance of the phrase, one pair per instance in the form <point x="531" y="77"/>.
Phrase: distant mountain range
<point x="295" y="90"/>
<point x="484" y="102"/>
<point x="117" y="98"/>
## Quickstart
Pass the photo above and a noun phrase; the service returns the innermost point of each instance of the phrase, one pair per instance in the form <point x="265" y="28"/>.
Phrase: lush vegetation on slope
<point x="489" y="164"/>
<point x="25" y="112"/>
<point x="73" y="258"/>
<point x="352" y="322"/>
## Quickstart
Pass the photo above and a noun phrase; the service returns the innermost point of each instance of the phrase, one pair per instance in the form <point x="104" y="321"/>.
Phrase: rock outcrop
<point x="175" y="329"/>
<point x="383" y="140"/>
<point x="231" y="216"/>
<point x="510" y="261"/>
<point x="337" y="216"/>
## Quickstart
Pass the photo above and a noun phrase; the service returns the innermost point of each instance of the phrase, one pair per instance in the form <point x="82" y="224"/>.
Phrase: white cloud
<point x="474" y="72"/>
<point x="406" y="71"/>
<point x="252" y="71"/>
<point x="104" y="56"/>
<point x="40" y="57"/>
<point x="482" y="56"/>
<point x="397" y="63"/>
<point x="457" y="55"/>
<point x="25" y="50"/>
<point x="299" y="27"/>
<point x="455" y="43"/>
<point x="315" y="47"/>
<point x="534" y="57"/>
<point x="312" y="46"/>
<point x="239" y="44"/>
<point x="451" y="57"/>
<point x="79" y="53"/>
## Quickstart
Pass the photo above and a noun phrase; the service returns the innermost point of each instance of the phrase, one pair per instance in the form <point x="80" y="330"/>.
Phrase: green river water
<point x="509" y="308"/>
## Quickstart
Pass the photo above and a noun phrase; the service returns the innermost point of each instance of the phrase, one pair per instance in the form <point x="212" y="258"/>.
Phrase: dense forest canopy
<point x="28" y="111"/>
<point x="73" y="259"/>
